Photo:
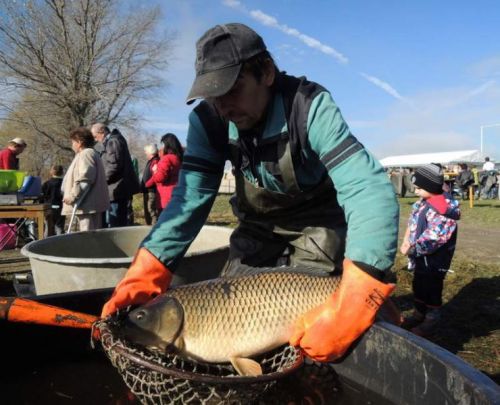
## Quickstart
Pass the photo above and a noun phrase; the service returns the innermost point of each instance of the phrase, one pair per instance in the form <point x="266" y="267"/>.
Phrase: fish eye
<point x="140" y="315"/>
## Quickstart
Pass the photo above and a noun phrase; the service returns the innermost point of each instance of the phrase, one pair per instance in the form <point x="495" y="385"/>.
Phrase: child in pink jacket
<point x="429" y="243"/>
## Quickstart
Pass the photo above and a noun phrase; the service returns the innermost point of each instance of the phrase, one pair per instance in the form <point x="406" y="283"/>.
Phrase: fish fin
<point x="180" y="344"/>
<point x="246" y="367"/>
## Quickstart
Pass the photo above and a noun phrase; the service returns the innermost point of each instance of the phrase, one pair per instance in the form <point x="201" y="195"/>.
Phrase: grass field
<point x="471" y="324"/>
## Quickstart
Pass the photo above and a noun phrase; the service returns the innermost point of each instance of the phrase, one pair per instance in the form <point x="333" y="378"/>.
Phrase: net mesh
<point x="156" y="378"/>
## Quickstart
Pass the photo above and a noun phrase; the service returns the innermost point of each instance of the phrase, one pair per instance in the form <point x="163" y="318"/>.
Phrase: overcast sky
<point x="408" y="76"/>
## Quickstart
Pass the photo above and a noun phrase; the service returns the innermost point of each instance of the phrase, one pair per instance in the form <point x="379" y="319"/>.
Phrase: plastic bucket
<point x="11" y="180"/>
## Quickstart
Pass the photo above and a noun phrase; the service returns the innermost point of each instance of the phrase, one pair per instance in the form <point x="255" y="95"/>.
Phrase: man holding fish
<point x="308" y="194"/>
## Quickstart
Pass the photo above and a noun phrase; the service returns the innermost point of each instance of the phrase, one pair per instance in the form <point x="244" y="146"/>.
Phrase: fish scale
<point x="249" y="315"/>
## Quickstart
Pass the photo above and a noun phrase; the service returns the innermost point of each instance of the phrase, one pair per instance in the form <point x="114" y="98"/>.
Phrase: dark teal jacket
<point x="322" y="145"/>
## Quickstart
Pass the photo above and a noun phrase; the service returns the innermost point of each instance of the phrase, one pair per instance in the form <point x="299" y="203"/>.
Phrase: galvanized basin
<point x="99" y="259"/>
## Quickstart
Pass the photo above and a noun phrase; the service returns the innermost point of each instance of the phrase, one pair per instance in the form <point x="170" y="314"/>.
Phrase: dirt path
<point x="479" y="244"/>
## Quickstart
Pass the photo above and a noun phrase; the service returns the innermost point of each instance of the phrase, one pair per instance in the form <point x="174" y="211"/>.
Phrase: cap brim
<point x="213" y="84"/>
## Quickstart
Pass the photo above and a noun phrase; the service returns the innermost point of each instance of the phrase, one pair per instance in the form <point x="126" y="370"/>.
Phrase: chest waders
<point x="294" y="228"/>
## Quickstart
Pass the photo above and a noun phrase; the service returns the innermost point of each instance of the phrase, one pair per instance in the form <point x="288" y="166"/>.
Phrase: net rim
<point x="206" y="378"/>
<point x="121" y="349"/>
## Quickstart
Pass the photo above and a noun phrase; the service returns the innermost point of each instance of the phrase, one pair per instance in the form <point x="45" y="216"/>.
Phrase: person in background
<point x="9" y="156"/>
<point x="52" y="194"/>
<point x="488" y="179"/>
<point x="498" y="185"/>
<point x="464" y="180"/>
<point x="493" y="194"/>
<point x="487" y="165"/>
<point x="307" y="191"/>
<point x="120" y="175"/>
<point x="85" y="183"/>
<point x="477" y="184"/>
<point x="429" y="243"/>
<point x="149" y="193"/>
<point x="167" y="170"/>
<point x="130" y="206"/>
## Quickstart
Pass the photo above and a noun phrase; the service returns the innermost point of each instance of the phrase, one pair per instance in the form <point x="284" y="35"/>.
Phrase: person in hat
<point x="9" y="156"/>
<point x="308" y="193"/>
<point x="429" y="243"/>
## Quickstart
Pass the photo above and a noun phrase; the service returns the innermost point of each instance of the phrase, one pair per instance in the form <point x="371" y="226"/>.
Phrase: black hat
<point x="220" y="53"/>
<point x="429" y="178"/>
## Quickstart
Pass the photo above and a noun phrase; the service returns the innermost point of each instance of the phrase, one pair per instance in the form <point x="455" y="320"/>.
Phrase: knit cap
<point x="429" y="178"/>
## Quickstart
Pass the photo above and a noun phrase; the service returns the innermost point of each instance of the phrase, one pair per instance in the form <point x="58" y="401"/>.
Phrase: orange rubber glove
<point x="146" y="278"/>
<point x="326" y="332"/>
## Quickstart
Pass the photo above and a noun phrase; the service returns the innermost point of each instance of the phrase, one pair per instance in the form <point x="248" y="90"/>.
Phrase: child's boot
<point x="428" y="326"/>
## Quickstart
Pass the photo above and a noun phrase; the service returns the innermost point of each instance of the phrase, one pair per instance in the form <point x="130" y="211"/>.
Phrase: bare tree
<point x="68" y="63"/>
<point x="42" y="151"/>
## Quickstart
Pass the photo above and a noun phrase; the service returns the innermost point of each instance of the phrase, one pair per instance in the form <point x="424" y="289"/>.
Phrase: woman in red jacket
<point x="167" y="171"/>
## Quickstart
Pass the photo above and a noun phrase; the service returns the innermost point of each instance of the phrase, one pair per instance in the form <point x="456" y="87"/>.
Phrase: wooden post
<point x="471" y="196"/>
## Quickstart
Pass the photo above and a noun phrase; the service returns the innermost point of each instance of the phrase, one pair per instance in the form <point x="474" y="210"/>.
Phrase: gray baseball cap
<point x="220" y="53"/>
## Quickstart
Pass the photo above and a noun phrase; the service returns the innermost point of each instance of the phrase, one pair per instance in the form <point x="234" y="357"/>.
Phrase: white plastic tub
<point x="99" y="259"/>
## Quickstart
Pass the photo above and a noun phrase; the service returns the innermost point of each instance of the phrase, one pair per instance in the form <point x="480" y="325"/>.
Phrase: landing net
<point x="171" y="379"/>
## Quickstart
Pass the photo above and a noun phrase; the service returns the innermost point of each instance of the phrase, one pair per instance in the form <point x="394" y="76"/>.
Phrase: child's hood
<point x="445" y="205"/>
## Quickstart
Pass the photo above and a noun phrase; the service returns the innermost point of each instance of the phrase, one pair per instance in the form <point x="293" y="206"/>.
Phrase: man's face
<point x="245" y="104"/>
<point x="18" y="149"/>
<point x="97" y="134"/>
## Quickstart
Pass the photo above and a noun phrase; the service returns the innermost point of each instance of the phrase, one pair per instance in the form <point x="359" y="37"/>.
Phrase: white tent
<point x="461" y="156"/>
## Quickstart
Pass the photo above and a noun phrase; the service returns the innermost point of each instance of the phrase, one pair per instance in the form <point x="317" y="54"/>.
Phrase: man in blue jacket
<point x="307" y="192"/>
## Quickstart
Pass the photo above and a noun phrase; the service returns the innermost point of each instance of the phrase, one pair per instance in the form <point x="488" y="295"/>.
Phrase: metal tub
<point x="388" y="365"/>
<point x="99" y="259"/>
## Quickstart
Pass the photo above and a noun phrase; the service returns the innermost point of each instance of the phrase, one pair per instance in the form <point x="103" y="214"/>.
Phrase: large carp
<point x="229" y="319"/>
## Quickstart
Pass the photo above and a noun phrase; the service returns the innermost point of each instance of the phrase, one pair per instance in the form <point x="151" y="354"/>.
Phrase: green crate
<point x="11" y="180"/>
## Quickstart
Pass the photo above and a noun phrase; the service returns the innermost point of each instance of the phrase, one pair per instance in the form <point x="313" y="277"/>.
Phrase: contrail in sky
<point x="481" y="89"/>
<point x="306" y="39"/>
<point x="383" y="85"/>
<point x="270" y="21"/>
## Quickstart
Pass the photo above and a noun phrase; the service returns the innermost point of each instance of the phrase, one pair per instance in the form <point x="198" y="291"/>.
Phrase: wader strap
<point x="285" y="163"/>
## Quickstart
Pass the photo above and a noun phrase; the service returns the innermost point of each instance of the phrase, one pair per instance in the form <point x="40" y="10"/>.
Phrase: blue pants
<point x="116" y="215"/>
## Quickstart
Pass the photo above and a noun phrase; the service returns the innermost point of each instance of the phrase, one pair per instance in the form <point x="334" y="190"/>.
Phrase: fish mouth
<point x="148" y="340"/>
<point x="142" y="337"/>
<point x="157" y="326"/>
